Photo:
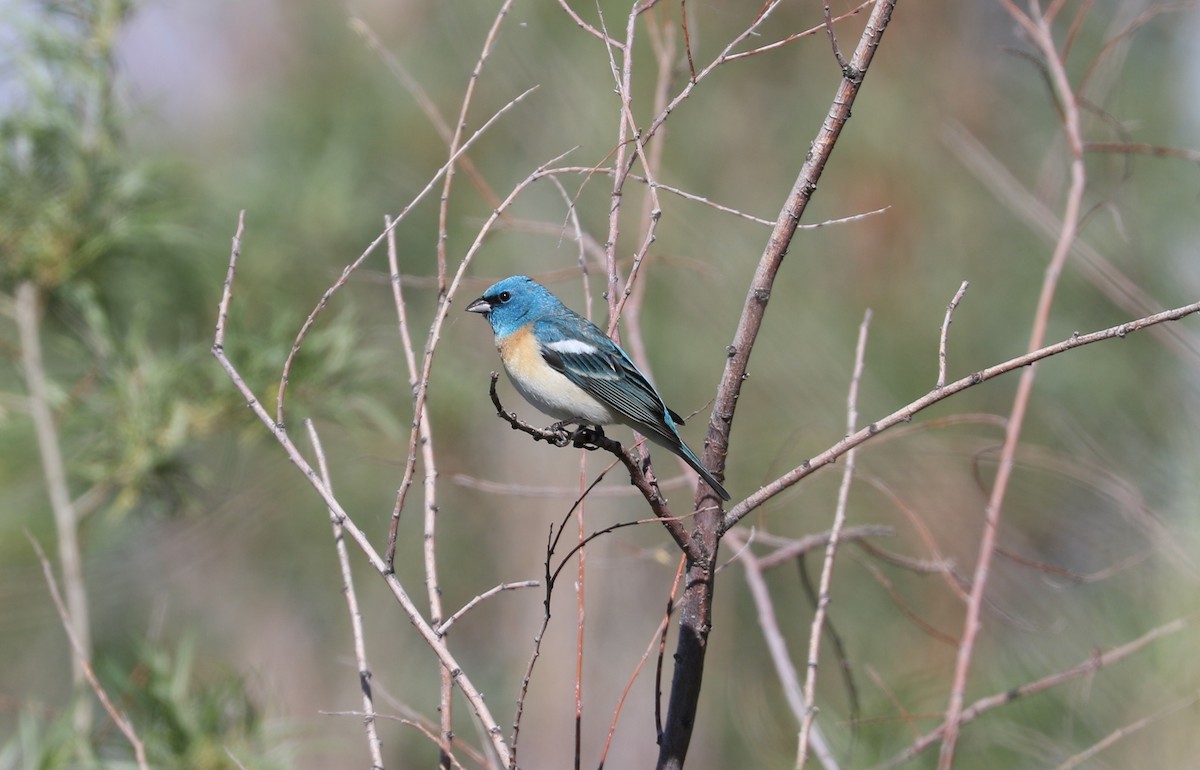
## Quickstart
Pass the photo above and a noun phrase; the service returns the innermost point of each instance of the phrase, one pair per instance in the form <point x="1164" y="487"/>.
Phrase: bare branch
<point x="696" y="611"/>
<point x="1129" y="729"/>
<point x="907" y="412"/>
<point x="374" y="746"/>
<point x="413" y="723"/>
<point x="789" y="681"/>
<point x="445" y="626"/>
<point x="1039" y="29"/>
<point x="337" y="514"/>
<point x="787" y="549"/>
<point x="1119" y="288"/>
<point x="593" y="439"/>
<point x="353" y="266"/>
<point x="1137" y="148"/>
<point x="459" y="126"/>
<point x="655" y="643"/>
<point x="1089" y="666"/>
<point x="958" y="295"/>
<point x="843" y="65"/>
<point x="423" y="433"/>
<point x="526" y="490"/>
<point x="590" y="29"/>
<point x="839" y="521"/>
<point x="27" y="313"/>
<point x="83" y="660"/>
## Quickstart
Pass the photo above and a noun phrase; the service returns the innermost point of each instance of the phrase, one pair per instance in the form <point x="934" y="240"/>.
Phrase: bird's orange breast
<point x="544" y="387"/>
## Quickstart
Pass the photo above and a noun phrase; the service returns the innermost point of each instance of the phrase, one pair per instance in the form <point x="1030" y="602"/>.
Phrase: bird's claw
<point x="558" y="435"/>
<point x="587" y="437"/>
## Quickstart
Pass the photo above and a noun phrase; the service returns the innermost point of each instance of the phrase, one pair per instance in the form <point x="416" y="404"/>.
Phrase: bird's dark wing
<point x="581" y="352"/>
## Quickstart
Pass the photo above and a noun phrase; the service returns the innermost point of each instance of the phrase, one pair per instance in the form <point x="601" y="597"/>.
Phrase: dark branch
<point x="592" y="438"/>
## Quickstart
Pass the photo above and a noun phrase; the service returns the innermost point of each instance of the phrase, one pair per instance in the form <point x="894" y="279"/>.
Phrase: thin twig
<point x="580" y="606"/>
<point x="439" y="318"/>
<point x="824" y="595"/>
<point x="459" y="126"/>
<point x="725" y="55"/>
<point x="1039" y="30"/>
<point x="843" y="65"/>
<point x="781" y="659"/>
<point x="374" y="746"/>
<point x="413" y="723"/>
<point x="652" y="211"/>
<point x="444" y="302"/>
<point x="687" y="38"/>
<point x="637" y="474"/>
<point x="1137" y="148"/>
<point x="85" y="665"/>
<point x="519" y="710"/>
<point x="349" y="269"/>
<point x="958" y="295"/>
<point x="621" y="166"/>
<point x="1123" y="292"/>
<point x="787" y="549"/>
<point x="655" y="643"/>
<point x="590" y="29"/>
<point x="907" y="412"/>
<point x="694" y="197"/>
<point x="526" y="490"/>
<point x="1127" y="730"/>
<point x="472" y="694"/>
<point x="695" y="617"/>
<point x="796" y="36"/>
<point x="552" y="575"/>
<point x="445" y="626"/>
<point x="422" y="433"/>
<point x="1092" y="664"/>
<point x="426" y="103"/>
<point x="630" y="306"/>
<point x="27" y="313"/>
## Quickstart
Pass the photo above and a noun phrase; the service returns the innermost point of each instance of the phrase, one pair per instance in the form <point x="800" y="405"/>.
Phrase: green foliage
<point x="82" y="217"/>
<point x="68" y="196"/>
<point x="78" y="207"/>
<point x="185" y="719"/>
<point x="189" y="720"/>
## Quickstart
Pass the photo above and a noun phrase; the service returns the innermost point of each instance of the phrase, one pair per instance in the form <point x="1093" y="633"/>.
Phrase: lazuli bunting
<point x="566" y="367"/>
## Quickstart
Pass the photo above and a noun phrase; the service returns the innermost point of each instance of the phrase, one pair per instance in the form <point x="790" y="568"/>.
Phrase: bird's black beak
<point x="480" y="305"/>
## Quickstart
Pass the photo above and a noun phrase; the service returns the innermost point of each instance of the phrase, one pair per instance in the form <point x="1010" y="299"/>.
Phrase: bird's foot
<point x="558" y="434"/>
<point x="588" y="437"/>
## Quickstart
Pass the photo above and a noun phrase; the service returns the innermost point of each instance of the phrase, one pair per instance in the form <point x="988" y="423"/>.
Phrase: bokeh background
<point x="133" y="135"/>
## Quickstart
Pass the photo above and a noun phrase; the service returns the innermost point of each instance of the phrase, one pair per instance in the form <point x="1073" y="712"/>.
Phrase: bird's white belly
<point x="555" y="395"/>
<point x="544" y="387"/>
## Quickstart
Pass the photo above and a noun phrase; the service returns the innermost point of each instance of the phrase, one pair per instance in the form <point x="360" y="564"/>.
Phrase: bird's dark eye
<point x="504" y="297"/>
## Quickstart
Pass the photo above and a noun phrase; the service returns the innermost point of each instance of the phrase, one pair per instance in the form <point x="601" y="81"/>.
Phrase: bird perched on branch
<point x="566" y="367"/>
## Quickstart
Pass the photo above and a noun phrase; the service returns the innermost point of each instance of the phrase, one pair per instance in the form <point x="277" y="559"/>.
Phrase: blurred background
<point x="134" y="133"/>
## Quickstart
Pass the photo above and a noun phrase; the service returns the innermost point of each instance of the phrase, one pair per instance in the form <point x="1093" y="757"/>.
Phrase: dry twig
<point x="472" y="694"/>
<point x="1038" y="27"/>
<point x="374" y="746"/>
<point x="839" y="521"/>
<point x="82" y="660"/>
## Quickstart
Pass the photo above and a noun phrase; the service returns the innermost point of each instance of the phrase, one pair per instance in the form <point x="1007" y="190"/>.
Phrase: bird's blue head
<point x="510" y="304"/>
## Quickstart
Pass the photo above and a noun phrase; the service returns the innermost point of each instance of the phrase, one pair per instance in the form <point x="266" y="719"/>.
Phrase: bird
<point x="562" y="364"/>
